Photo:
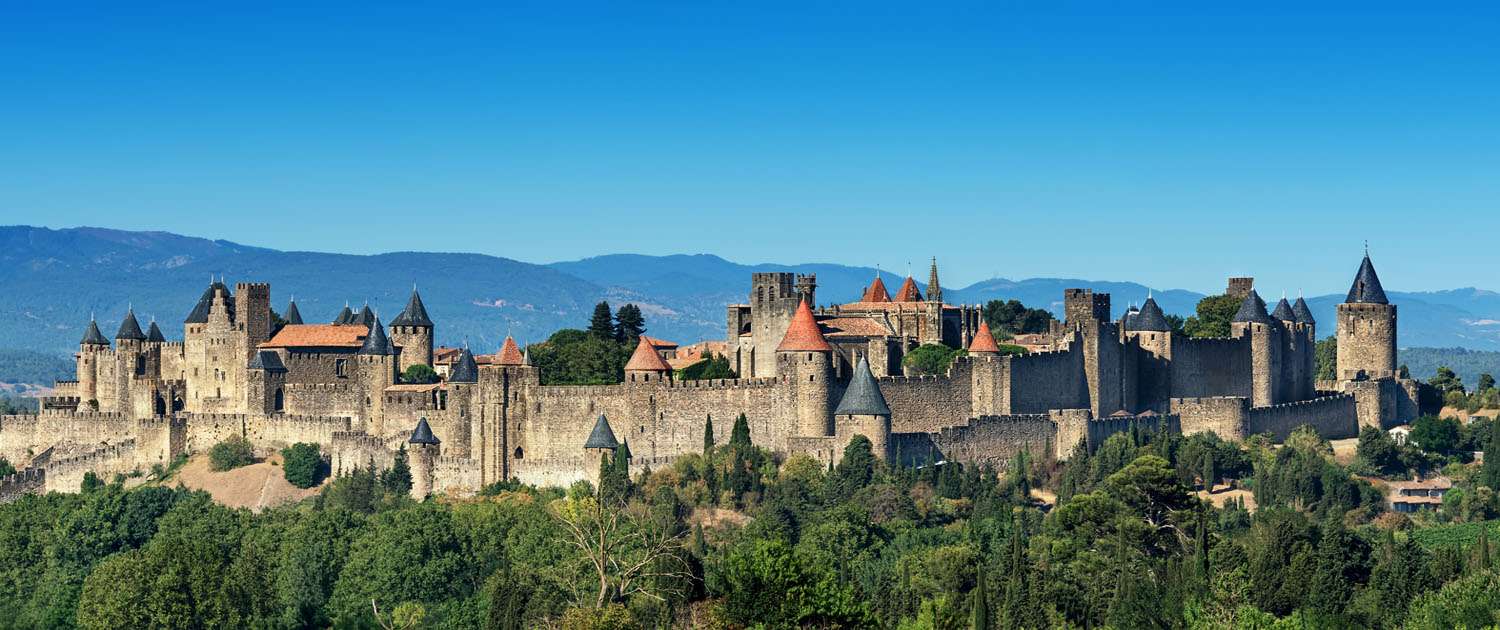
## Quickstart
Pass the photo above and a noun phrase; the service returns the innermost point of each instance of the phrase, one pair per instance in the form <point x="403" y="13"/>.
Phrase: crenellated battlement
<point x="21" y="483"/>
<point x="1313" y="403"/>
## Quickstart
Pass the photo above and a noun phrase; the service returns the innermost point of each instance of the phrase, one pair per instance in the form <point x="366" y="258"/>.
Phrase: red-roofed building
<point x="908" y="291"/>
<point x="803" y="335"/>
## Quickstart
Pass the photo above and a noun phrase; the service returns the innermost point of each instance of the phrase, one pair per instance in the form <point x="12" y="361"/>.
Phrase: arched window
<point x="279" y="402"/>
<point x="518" y="453"/>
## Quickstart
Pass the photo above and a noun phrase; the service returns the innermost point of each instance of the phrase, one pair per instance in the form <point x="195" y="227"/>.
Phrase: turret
<point x="876" y="292"/>
<point x="804" y="361"/>
<point x="908" y="291"/>
<point x="645" y="365"/>
<point x="266" y="379"/>
<point x="1366" y="329"/>
<point x="601" y="443"/>
<point x="1266" y="346"/>
<point x="412" y="331"/>
<point x="983" y="344"/>
<point x="154" y="334"/>
<point x="1152" y="333"/>
<point x="423" y="449"/>
<point x="344" y="316"/>
<point x="253" y="312"/>
<point x="89" y="348"/>
<point x="934" y="290"/>
<point x="292" y="316"/>
<point x="863" y="411"/>
<point x="377" y="360"/>
<point x="465" y="370"/>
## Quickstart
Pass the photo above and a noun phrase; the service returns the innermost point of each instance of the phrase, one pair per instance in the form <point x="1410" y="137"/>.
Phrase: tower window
<point x="341" y="367"/>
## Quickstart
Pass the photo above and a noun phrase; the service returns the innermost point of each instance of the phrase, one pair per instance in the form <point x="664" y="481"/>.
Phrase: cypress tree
<point x="980" y="603"/>
<point x="740" y="436"/>
<point x="602" y="324"/>
<point x="708" y="436"/>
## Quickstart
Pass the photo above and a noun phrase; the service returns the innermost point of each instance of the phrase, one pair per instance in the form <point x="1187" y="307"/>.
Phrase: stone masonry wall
<point x="29" y="481"/>
<point x="1334" y="417"/>
<point x="1222" y="415"/>
<point x="1210" y="367"/>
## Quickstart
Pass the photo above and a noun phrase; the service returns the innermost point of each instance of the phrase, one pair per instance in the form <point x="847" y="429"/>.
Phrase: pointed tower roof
<point x="154" y="334"/>
<point x="1149" y="319"/>
<point x="1366" y="288"/>
<point x="423" y="433"/>
<point x="345" y="316"/>
<point x="376" y="343"/>
<point x="415" y="313"/>
<point x="292" y="315"/>
<point x="130" y="328"/>
<point x="934" y="290"/>
<point x="1252" y="309"/>
<point x="364" y="316"/>
<point x="863" y="397"/>
<point x="644" y="359"/>
<point x="908" y="291"/>
<point x="1302" y="312"/>
<point x="92" y="336"/>
<point x="803" y="334"/>
<point x="984" y="341"/>
<point x="206" y="303"/>
<point x="876" y="291"/>
<point x="1284" y="311"/>
<point x="267" y="360"/>
<point x="465" y="370"/>
<point x="510" y="353"/>
<point x="602" y="436"/>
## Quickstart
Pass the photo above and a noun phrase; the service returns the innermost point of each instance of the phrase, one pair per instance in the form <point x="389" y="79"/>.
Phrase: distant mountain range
<point x="51" y="280"/>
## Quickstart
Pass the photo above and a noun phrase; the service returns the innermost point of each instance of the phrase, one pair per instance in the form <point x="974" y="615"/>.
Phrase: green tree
<point x="1214" y="314"/>
<point x="602" y="324"/>
<point x="708" y="368"/>
<point x="1326" y="353"/>
<point x="979" y="603"/>
<point x="708" y="436"/>
<point x="408" y="555"/>
<point x="1486" y="382"/>
<point x="1435" y="435"/>
<point x="5" y="468"/>
<point x="396" y="480"/>
<point x="302" y="464"/>
<point x="630" y="324"/>
<point x="233" y="452"/>
<point x="419" y="374"/>
<point x="1468" y="602"/>
<point x="1379" y="451"/>
<point x="930" y="359"/>
<point x="1447" y="381"/>
<point x="1008" y="318"/>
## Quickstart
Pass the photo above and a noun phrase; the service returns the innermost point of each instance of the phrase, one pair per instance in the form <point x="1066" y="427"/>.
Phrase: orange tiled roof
<point x="645" y="358"/>
<point x="510" y="353"/>
<point x="908" y="291"/>
<point x="876" y="292"/>
<point x="413" y="387"/>
<point x="443" y="355"/>
<point x="318" y="336"/>
<point x="983" y="341"/>
<point x="660" y="343"/>
<point x="910" y="307"/>
<point x="803" y="334"/>
<point x="854" y="326"/>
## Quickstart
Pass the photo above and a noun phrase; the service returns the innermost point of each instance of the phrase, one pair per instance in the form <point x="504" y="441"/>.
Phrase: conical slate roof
<point x="876" y="292"/>
<point x="345" y="316"/>
<point x="1302" y="312"/>
<point x="423" y="433"/>
<point x="510" y="353"/>
<point x="1252" y="310"/>
<point x="908" y="291"/>
<point x="130" y="328"/>
<point x="154" y="334"/>
<point x="1366" y="288"/>
<point x="377" y="342"/>
<point x="92" y="336"/>
<point x="292" y="315"/>
<point x="863" y="397"/>
<point x="644" y="358"/>
<point x="415" y="313"/>
<point x="1284" y="312"/>
<point x="465" y="370"/>
<point x="364" y="316"/>
<point x="601" y="436"/>
<point x="267" y="360"/>
<point x="983" y="342"/>
<point x="206" y="303"/>
<point x="803" y="334"/>
<point x="1149" y="318"/>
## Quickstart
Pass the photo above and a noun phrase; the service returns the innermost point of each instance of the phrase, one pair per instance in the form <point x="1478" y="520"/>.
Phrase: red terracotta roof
<point x="908" y="291"/>
<point x="660" y="343"/>
<point x="876" y="292"/>
<point x="803" y="334"/>
<point x="510" y="353"/>
<point x="645" y="358"/>
<point x="983" y="341"/>
<point x="318" y="336"/>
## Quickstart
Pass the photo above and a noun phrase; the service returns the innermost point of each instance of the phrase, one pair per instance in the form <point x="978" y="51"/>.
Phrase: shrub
<point x="419" y="375"/>
<point x="303" y="465"/>
<point x="230" y="454"/>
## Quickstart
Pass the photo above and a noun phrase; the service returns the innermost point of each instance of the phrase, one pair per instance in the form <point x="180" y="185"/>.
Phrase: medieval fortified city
<point x="814" y="375"/>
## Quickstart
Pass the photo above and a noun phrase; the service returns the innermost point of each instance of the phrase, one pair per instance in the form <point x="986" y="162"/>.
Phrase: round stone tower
<point x="412" y="332"/>
<point x="645" y="365"/>
<point x="805" y="360"/>
<point x="863" y="411"/>
<point x="1366" y="329"/>
<point x="423" y="450"/>
<point x="1266" y="339"/>
<point x="89" y="348"/>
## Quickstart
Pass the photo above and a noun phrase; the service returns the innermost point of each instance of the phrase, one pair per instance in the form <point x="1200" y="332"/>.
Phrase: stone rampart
<point x="1221" y="415"/>
<point x="1333" y="417"/>
<point x="1204" y="367"/>
<point x="925" y="404"/>
<point x="986" y="440"/>
<point x="279" y="430"/>
<point x="1046" y="380"/>
<point x="29" y="481"/>
<point x="66" y="475"/>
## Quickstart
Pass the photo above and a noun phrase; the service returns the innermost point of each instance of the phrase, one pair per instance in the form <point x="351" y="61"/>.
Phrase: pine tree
<point x="629" y="324"/>
<point x="740" y="435"/>
<point x="708" y="436"/>
<point x="397" y="479"/>
<point x="980" y="602"/>
<point x="602" y="324"/>
<point x="1481" y="560"/>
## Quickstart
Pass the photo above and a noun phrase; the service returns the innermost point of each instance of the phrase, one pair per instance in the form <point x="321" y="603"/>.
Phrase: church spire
<point x="934" y="290"/>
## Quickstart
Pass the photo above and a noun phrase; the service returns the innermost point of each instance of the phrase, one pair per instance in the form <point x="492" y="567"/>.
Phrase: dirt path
<point x="258" y="486"/>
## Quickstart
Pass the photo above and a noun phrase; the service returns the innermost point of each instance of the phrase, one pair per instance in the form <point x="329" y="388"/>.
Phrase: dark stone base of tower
<point x="814" y="378"/>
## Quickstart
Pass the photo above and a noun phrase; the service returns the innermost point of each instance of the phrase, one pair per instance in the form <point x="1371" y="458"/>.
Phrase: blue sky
<point x="1172" y="147"/>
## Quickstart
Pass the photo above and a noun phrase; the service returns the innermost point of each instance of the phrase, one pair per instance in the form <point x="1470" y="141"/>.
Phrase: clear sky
<point x="1171" y="147"/>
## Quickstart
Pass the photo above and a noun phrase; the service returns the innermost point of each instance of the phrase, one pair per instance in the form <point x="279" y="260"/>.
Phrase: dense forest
<point x="736" y="537"/>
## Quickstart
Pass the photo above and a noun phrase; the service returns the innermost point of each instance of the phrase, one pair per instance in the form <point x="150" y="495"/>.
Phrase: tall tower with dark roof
<point x="1267" y="345"/>
<point x="412" y="331"/>
<point x="1366" y="329"/>
<point x="863" y="411"/>
<point x="89" y="348"/>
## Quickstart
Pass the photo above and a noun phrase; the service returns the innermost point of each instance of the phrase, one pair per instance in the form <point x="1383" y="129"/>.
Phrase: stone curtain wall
<point x="1222" y="415"/>
<point x="986" y="440"/>
<point x="29" y="481"/>
<point x="66" y="475"/>
<point x="1210" y="367"/>
<point x="1334" y="417"/>
<point x="1047" y="380"/>
<point x="924" y="404"/>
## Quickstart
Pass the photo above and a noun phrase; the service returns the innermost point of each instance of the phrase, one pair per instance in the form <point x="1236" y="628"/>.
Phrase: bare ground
<point x="258" y="486"/>
<point x="1225" y="492"/>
